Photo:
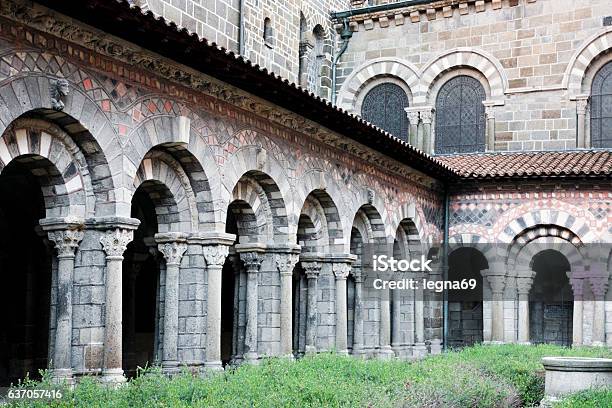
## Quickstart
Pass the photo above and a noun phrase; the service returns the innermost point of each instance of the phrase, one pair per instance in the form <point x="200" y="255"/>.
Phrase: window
<point x="460" y="116"/>
<point x="384" y="107"/>
<point x="601" y="108"/>
<point x="268" y="33"/>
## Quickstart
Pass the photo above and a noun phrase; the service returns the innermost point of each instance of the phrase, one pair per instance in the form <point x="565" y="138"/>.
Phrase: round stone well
<point x="567" y="375"/>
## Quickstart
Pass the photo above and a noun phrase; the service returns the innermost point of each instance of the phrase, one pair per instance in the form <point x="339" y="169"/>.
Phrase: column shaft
<point x="286" y="303"/>
<point x="358" y="318"/>
<point x="396" y="318"/>
<point x="311" y="309"/>
<point x="523" y="316"/>
<point x="341" y="321"/>
<point x="384" y="332"/>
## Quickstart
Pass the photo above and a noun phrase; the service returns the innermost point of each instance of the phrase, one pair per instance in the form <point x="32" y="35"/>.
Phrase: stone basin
<point x="566" y="375"/>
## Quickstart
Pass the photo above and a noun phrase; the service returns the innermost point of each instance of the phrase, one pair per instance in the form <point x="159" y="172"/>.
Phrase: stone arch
<point x="374" y="72"/>
<point x="407" y="238"/>
<point x="27" y="95"/>
<point x="577" y="225"/>
<point x="408" y="211"/>
<point x="584" y="56"/>
<point x="370" y="224"/>
<point x="477" y="60"/>
<point x="178" y="203"/>
<point x="536" y="239"/>
<point x="259" y="209"/>
<point x="320" y="207"/>
<point x="254" y="163"/>
<point x="57" y="162"/>
<point x="190" y="153"/>
<point x="468" y="240"/>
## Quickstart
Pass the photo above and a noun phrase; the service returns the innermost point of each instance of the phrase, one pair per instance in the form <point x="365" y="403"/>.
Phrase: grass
<point x="480" y="376"/>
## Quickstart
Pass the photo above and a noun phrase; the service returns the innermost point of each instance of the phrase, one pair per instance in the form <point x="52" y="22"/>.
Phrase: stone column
<point x="312" y="270"/>
<point x="358" y="316"/>
<point x="285" y="262"/>
<point x="396" y="343"/>
<point x="384" y="332"/>
<point x="215" y="249"/>
<point x="524" y="280"/>
<point x="577" y="281"/>
<point x="413" y="118"/>
<point x="420" y="349"/>
<point x="496" y="279"/>
<point x="66" y="238"/>
<point x="598" y="280"/>
<point x="172" y="246"/>
<point x="252" y="258"/>
<point x="237" y="271"/>
<point x="490" y="116"/>
<point x="427" y="143"/>
<point x="305" y="51"/>
<point x="114" y="243"/>
<point x="581" y="133"/>
<point x="341" y="271"/>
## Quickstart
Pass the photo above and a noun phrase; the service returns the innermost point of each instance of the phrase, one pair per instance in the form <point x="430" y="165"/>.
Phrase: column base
<point x="170" y="368"/>
<point x="213" y="365"/>
<point x="343" y="352"/>
<point x="525" y="343"/>
<point x="61" y="376"/>
<point x="358" y="352"/>
<point x="386" y="353"/>
<point x="419" y="350"/>
<point x="236" y="360"/>
<point x="113" y="377"/>
<point x="435" y="347"/>
<point x="310" y="350"/>
<point x="251" y="358"/>
<point x="598" y="344"/>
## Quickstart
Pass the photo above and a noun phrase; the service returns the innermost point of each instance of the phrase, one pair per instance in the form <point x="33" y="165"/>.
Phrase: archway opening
<point x="550" y="299"/>
<point x="141" y="283"/>
<point x="26" y="266"/>
<point x="233" y="297"/>
<point x="465" y="306"/>
<point x="356" y="246"/>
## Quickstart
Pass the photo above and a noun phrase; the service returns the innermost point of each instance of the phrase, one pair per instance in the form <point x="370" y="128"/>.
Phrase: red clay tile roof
<point x="591" y="163"/>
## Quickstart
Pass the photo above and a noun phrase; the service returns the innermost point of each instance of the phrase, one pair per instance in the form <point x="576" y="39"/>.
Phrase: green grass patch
<point x="480" y="376"/>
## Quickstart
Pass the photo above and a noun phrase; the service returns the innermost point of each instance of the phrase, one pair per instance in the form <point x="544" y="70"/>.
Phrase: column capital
<point x="286" y="262"/>
<point x="66" y="241"/>
<point x="524" y="281"/>
<point x="341" y="270"/>
<point x="357" y="275"/>
<point x="311" y="269"/>
<point x="114" y="242"/>
<point x="496" y="279"/>
<point x="172" y="246"/>
<point x="215" y="254"/>
<point x="582" y="101"/>
<point x="426" y="114"/>
<point x="252" y="261"/>
<point x="413" y="115"/>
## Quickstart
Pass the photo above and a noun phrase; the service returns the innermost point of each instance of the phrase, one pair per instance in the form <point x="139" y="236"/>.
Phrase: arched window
<point x="384" y="107"/>
<point x="601" y="108"/>
<point x="460" y="116"/>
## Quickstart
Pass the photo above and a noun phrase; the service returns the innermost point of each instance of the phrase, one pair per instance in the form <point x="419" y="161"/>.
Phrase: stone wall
<point x="524" y="53"/>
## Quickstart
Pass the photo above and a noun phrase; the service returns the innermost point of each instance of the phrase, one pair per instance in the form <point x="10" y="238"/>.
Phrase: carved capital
<point x="582" y="102"/>
<point x="599" y="286"/>
<point x="172" y="251"/>
<point x="426" y="115"/>
<point x="311" y="269"/>
<point x="115" y="242"/>
<point x="413" y="116"/>
<point x="252" y="261"/>
<point x="341" y="269"/>
<point x="286" y="262"/>
<point x="215" y="255"/>
<point x="496" y="280"/>
<point x="490" y="112"/>
<point x="66" y="241"/>
<point x="357" y="275"/>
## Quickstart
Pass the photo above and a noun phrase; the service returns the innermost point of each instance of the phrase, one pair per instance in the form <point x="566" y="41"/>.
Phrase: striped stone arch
<point x="577" y="225"/>
<point x="182" y="145"/>
<point x="531" y="241"/>
<point x="592" y="48"/>
<point x="313" y="232"/>
<point x="371" y="204"/>
<point x="168" y="185"/>
<point x="313" y="18"/>
<point x="468" y="57"/>
<point x="374" y="224"/>
<point x="56" y="161"/>
<point x="253" y="213"/>
<point x="372" y="70"/>
<point x="408" y="211"/>
<point x="466" y="240"/>
<point x="27" y="95"/>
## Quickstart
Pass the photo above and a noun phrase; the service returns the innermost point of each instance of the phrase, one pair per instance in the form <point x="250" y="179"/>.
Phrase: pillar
<point x="496" y="279"/>
<point x="420" y="349"/>
<point x="114" y="243"/>
<point x="581" y="133"/>
<point x="427" y="142"/>
<point x="413" y="119"/>
<point x="490" y="116"/>
<point x="598" y="279"/>
<point x="237" y="270"/>
<point x="66" y="239"/>
<point x="358" y="317"/>
<point x="172" y="246"/>
<point x="524" y="280"/>
<point x="285" y="262"/>
<point x="252" y="260"/>
<point x="312" y="270"/>
<point x="396" y="343"/>
<point x="341" y="271"/>
<point x="384" y="332"/>
<point x="577" y="281"/>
